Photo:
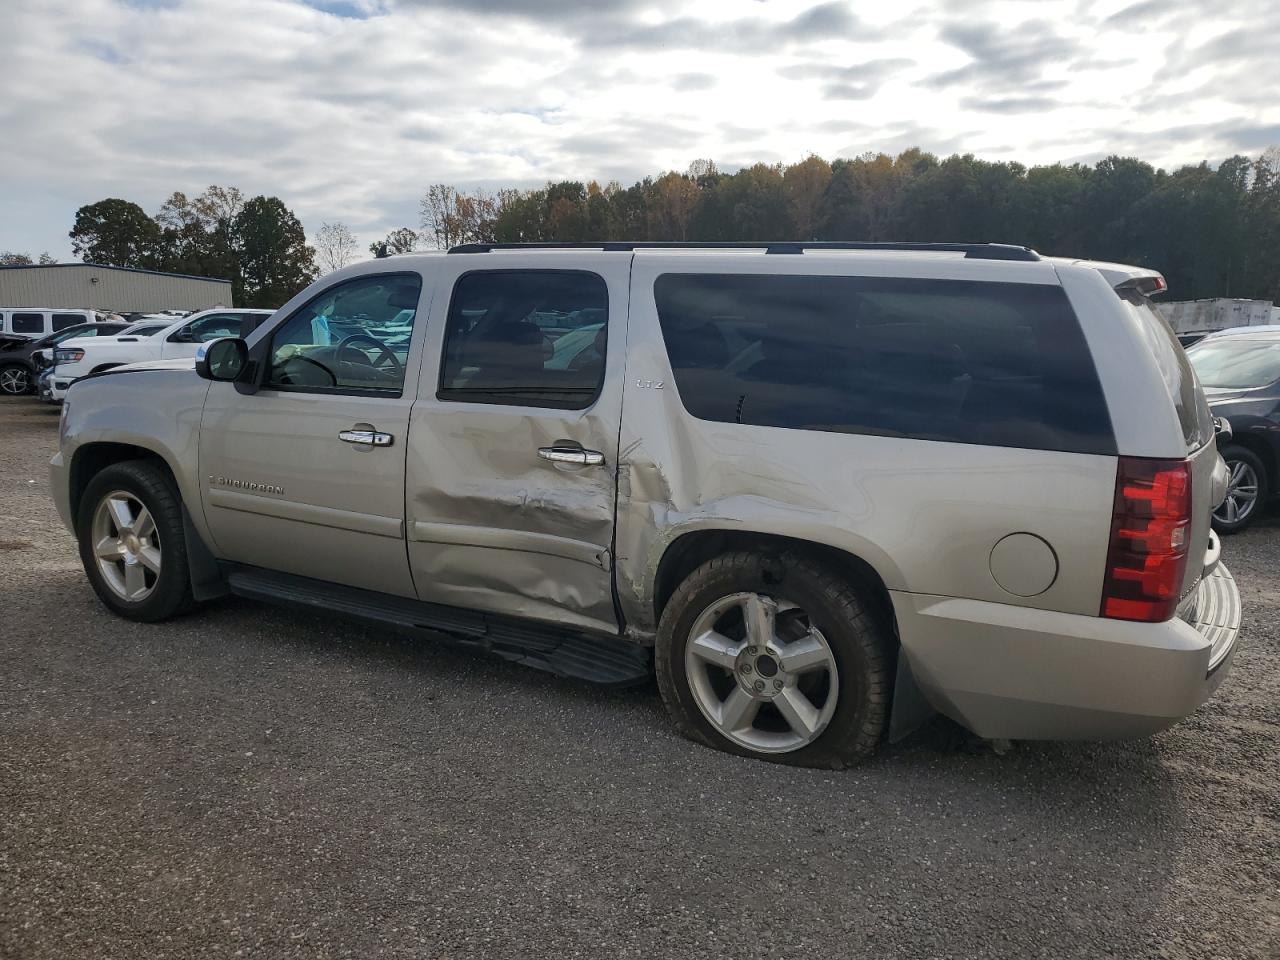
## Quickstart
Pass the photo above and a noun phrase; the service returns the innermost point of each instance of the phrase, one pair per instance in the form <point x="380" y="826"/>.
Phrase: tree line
<point x="1213" y="231"/>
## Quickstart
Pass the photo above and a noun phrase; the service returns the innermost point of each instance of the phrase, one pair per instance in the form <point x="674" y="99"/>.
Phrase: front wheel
<point x="15" y="380"/>
<point x="1246" y="490"/>
<point x="132" y="543"/>
<point x="774" y="658"/>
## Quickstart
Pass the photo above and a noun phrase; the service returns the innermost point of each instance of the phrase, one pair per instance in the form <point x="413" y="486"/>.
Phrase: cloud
<point x="348" y="109"/>
<point x="1009" y="104"/>
<point x="689" y="82"/>
<point x="1002" y="57"/>
<point x="858" y="81"/>
<point x="826" y="21"/>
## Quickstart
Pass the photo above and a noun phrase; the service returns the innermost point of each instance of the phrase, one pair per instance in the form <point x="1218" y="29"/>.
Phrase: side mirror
<point x="1222" y="428"/>
<point x="224" y="359"/>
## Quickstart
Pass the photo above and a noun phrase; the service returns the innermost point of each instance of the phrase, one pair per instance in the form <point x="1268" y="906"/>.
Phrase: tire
<point x="807" y="600"/>
<point x="15" y="380"/>
<point x="156" y="557"/>
<point x="1237" y="512"/>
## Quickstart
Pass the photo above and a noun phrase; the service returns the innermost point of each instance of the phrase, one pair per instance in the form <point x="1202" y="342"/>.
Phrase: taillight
<point x="1149" y="533"/>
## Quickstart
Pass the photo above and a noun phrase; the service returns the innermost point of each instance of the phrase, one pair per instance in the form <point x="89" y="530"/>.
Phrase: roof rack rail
<point x="972" y="251"/>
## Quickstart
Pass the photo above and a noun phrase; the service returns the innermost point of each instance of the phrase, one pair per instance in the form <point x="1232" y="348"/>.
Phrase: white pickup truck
<point x="78" y="358"/>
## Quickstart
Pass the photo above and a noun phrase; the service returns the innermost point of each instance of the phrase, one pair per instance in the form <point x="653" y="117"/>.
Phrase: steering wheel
<point x="315" y="363"/>
<point x="384" y="351"/>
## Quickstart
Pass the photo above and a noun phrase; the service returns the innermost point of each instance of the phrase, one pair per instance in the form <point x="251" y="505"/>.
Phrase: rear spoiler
<point x="1148" y="286"/>
<point x="1123" y="277"/>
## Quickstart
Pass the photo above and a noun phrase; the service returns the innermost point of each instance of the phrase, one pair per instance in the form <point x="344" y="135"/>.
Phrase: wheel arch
<point x="90" y="459"/>
<point x="690" y="550"/>
<point x="908" y="707"/>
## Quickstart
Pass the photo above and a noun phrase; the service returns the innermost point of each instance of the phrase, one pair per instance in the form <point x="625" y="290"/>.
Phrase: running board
<point x="596" y="658"/>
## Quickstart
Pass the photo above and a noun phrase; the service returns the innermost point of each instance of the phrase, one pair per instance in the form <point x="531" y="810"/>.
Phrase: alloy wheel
<point x="761" y="673"/>
<point x="14" y="381"/>
<point x="1242" y="493"/>
<point x="126" y="545"/>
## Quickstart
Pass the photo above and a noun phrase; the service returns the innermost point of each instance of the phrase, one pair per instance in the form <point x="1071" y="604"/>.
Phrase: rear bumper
<point x="1020" y="673"/>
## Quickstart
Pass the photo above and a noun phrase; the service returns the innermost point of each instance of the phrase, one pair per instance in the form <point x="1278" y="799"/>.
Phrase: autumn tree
<point x="672" y="200"/>
<point x="805" y="185"/>
<point x="335" y="246"/>
<point x="403" y="240"/>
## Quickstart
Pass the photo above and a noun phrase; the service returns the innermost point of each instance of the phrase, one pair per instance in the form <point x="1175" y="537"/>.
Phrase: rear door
<point x="513" y="443"/>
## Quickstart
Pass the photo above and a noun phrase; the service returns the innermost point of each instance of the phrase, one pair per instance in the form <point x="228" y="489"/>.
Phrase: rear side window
<point x="1175" y="368"/>
<point x="63" y="320"/>
<point x="529" y="337"/>
<point x="28" y="323"/>
<point x="1002" y="364"/>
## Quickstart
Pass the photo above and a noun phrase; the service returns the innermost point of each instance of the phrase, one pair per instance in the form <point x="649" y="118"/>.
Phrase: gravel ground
<point x="254" y="782"/>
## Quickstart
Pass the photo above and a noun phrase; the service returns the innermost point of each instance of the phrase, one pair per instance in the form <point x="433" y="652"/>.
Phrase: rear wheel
<point x="774" y="658"/>
<point x="1246" y="490"/>
<point x="132" y="543"/>
<point x="15" y="380"/>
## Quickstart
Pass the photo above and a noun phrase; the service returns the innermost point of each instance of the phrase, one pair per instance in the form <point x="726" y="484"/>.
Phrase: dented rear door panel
<point x="490" y="525"/>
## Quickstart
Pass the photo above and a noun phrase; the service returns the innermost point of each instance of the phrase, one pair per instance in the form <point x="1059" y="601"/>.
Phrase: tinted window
<point x="28" y="323"/>
<point x="214" y="326"/>
<point x="528" y="337"/>
<point x="83" y="330"/>
<point x="63" y="320"/>
<point x="354" y="336"/>
<point x="1193" y="409"/>
<point x="969" y="362"/>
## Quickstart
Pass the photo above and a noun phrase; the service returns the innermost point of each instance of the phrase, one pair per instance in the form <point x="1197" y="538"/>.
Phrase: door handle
<point x="575" y="454"/>
<point x="368" y="438"/>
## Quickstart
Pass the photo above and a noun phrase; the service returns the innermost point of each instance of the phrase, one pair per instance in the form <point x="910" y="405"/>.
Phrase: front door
<point x="513" y="443"/>
<point x="306" y="475"/>
<point x="186" y="340"/>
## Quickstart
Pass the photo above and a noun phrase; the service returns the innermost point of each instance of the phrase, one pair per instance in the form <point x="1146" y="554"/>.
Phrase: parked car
<point x="41" y="321"/>
<point x="179" y="338"/>
<point x="43" y="360"/>
<point x="1240" y="374"/>
<point x="19" y="361"/>
<point x="1232" y="331"/>
<point x="821" y="489"/>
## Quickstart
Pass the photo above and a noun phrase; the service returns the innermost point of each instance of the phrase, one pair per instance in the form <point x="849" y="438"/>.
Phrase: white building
<point x="1206" y="316"/>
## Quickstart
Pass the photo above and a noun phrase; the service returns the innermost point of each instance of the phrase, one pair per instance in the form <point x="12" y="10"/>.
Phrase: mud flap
<point x="910" y="708"/>
<point x="207" y="582"/>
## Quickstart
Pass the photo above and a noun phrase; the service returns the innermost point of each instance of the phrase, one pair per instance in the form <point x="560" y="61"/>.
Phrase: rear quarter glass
<point x="1175" y="369"/>
<point x="993" y="363"/>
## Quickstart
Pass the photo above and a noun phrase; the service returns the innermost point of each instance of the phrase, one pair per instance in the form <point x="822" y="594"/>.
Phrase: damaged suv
<point x="823" y="490"/>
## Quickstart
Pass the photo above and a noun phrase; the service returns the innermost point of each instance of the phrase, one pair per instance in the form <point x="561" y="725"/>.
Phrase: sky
<point x="349" y="109"/>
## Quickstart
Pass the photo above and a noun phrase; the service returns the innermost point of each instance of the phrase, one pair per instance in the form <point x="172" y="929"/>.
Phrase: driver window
<point x="213" y="327"/>
<point x="354" y="336"/>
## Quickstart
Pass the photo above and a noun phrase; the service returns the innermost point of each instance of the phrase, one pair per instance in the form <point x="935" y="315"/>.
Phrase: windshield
<point x="1237" y="364"/>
